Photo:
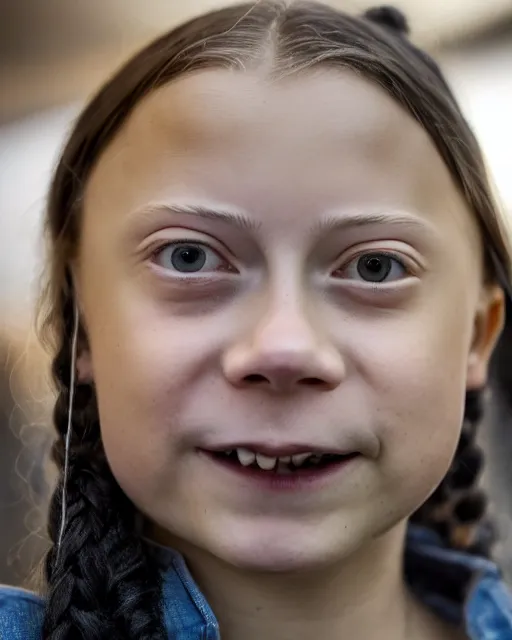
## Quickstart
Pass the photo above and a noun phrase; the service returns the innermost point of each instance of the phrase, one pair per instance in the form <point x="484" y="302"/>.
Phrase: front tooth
<point x="245" y="457"/>
<point x="299" y="458"/>
<point x="265" y="462"/>
<point x="316" y="458"/>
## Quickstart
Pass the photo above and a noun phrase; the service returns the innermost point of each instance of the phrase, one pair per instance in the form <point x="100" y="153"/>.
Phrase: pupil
<point x="188" y="258"/>
<point x="374" y="268"/>
<point x="374" y="265"/>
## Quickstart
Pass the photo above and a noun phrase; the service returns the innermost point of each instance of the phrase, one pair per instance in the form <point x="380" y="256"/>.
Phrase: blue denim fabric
<point x="21" y="614"/>
<point x="486" y="613"/>
<point x="487" y="610"/>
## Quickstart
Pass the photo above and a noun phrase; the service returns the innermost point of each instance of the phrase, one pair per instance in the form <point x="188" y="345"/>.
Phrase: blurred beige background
<point x="53" y="54"/>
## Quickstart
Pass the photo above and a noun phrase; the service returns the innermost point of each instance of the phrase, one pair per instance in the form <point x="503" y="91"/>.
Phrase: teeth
<point x="245" y="457"/>
<point x="300" y="458"/>
<point x="265" y="462"/>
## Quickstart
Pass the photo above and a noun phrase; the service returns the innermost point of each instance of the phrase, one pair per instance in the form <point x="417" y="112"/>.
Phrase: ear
<point x="489" y="321"/>
<point x="84" y="369"/>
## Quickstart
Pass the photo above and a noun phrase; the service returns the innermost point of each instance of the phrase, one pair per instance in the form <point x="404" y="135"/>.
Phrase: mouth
<point x="298" y="464"/>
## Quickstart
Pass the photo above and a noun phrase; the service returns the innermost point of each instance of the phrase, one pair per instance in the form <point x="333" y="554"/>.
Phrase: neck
<point x="362" y="596"/>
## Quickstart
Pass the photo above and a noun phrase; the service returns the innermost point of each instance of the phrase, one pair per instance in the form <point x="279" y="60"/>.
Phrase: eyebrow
<point x="214" y="212"/>
<point x="328" y="224"/>
<point x="355" y="219"/>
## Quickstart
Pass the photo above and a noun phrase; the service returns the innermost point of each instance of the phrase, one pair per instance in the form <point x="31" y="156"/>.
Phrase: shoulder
<point x="21" y="614"/>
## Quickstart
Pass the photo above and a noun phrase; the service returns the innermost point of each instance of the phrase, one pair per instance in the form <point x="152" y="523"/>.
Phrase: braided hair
<point x="101" y="582"/>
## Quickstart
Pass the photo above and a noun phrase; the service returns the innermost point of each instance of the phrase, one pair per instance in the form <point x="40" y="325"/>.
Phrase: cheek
<point x="145" y="364"/>
<point x="417" y="376"/>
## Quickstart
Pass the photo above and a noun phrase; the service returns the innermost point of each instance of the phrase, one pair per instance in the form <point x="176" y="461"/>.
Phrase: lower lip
<point x="296" y="481"/>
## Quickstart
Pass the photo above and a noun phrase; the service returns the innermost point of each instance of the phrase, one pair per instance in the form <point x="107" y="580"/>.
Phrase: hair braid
<point x="101" y="584"/>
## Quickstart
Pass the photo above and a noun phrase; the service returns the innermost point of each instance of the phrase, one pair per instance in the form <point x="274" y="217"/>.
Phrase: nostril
<point x="312" y="382"/>
<point x="255" y="378"/>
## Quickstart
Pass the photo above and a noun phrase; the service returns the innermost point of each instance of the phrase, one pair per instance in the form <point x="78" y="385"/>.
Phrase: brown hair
<point x="102" y="584"/>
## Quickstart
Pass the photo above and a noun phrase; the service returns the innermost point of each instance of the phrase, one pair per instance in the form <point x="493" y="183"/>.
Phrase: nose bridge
<point x="286" y="327"/>
<point x="284" y="344"/>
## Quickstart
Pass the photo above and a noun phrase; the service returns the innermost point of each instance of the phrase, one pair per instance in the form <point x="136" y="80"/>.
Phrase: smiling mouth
<point x="297" y="464"/>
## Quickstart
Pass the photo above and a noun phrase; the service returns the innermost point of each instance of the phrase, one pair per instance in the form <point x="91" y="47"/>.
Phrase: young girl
<point x="276" y="280"/>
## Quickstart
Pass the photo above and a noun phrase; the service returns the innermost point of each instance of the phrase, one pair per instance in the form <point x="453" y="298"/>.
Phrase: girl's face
<point x="282" y="268"/>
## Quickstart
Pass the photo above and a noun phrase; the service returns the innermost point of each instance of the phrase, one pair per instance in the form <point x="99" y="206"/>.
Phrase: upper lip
<point x="281" y="450"/>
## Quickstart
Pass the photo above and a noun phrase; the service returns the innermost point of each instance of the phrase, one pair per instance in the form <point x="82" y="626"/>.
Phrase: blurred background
<point x="53" y="54"/>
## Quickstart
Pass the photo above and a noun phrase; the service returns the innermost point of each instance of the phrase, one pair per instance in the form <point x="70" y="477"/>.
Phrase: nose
<point x="282" y="353"/>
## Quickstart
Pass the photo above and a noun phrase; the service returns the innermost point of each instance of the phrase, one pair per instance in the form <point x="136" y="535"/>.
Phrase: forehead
<point x="322" y="138"/>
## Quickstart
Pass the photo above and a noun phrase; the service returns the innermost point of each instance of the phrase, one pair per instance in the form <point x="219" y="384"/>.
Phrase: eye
<point x="374" y="268"/>
<point x="188" y="257"/>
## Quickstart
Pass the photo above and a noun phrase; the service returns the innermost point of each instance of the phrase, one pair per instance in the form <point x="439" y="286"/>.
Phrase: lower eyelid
<point x="192" y="276"/>
<point x="191" y="282"/>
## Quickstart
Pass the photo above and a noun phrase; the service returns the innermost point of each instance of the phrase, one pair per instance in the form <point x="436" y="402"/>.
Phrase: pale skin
<point x="279" y="339"/>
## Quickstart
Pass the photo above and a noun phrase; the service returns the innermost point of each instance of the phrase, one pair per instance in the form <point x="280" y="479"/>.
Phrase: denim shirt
<point x="486" y="613"/>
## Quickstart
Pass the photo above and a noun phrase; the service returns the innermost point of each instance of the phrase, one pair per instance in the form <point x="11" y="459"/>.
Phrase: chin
<point x="283" y="551"/>
<point x="274" y="559"/>
<point x="276" y="542"/>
